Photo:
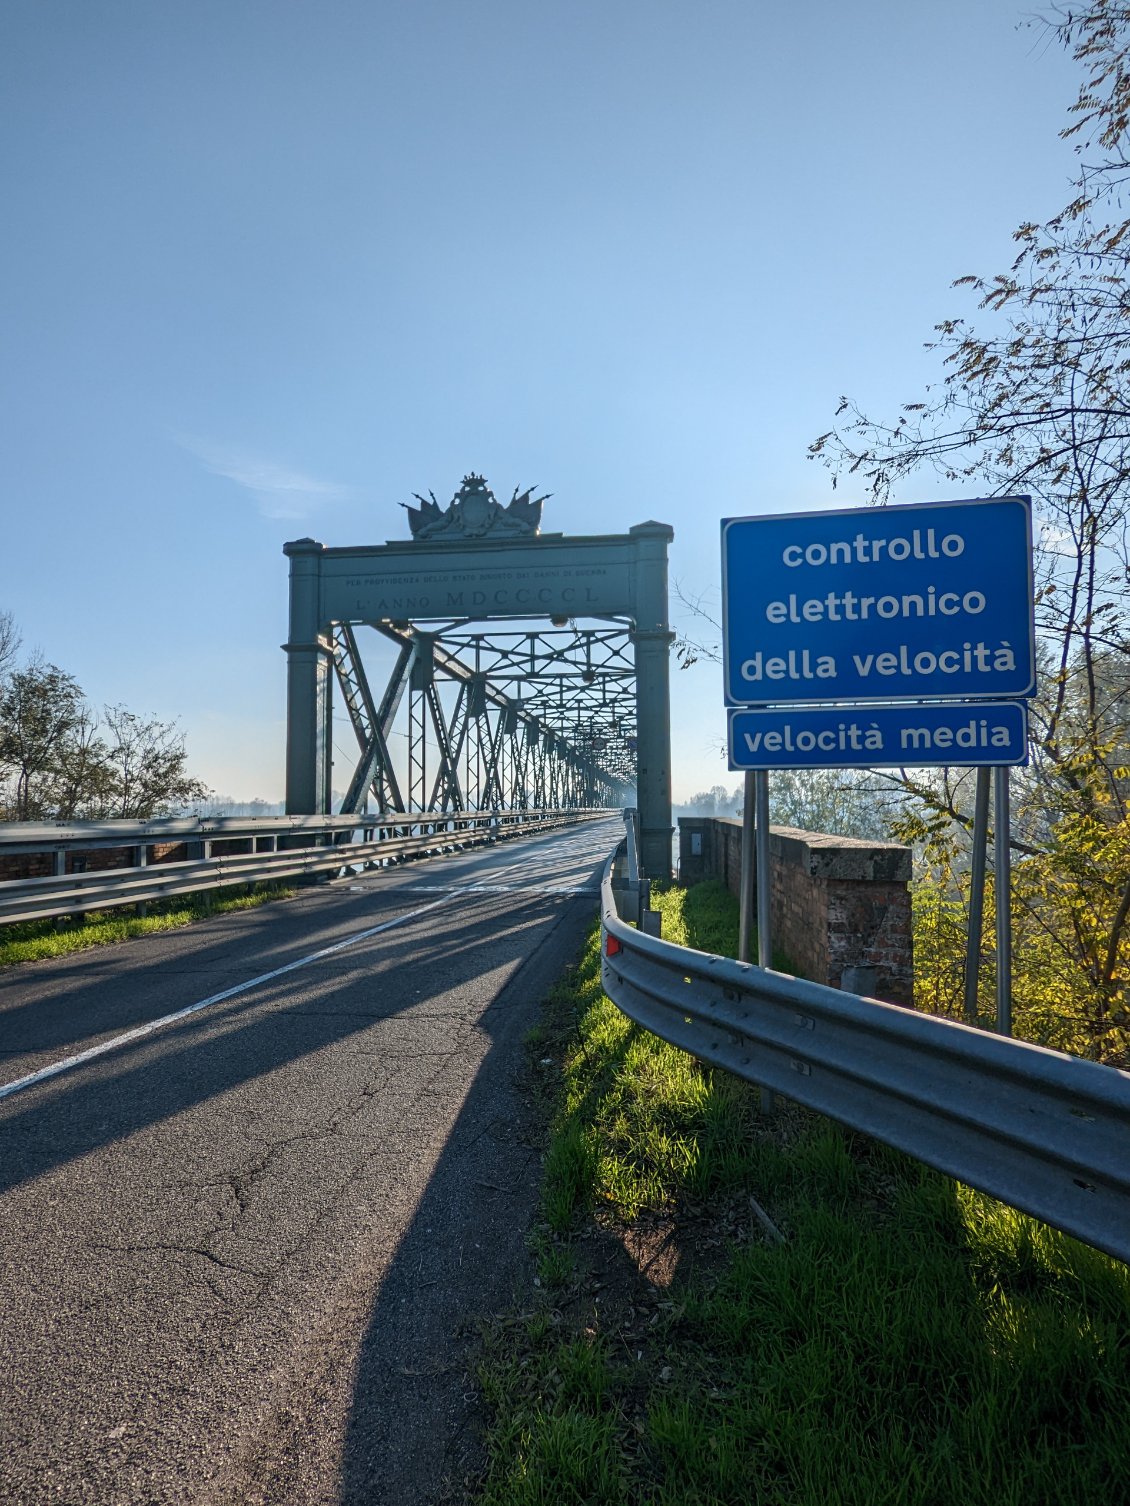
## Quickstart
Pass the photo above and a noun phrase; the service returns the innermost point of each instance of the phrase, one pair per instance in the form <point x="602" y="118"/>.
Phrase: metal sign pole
<point x="764" y="881"/>
<point x="977" y="893"/>
<point x="1002" y="865"/>
<point x="745" y="899"/>
<point x="764" y="894"/>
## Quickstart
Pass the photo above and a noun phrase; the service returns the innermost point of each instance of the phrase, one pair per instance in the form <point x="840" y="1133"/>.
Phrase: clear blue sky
<point x="269" y="267"/>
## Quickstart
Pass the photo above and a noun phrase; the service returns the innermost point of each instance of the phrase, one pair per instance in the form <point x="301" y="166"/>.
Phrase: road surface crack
<point x="175" y="1249"/>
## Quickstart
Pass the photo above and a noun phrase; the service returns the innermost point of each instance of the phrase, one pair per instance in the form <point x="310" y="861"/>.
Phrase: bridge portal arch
<point x="470" y="563"/>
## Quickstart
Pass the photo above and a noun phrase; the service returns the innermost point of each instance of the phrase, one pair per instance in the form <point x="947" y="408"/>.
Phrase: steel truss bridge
<point x="487" y="706"/>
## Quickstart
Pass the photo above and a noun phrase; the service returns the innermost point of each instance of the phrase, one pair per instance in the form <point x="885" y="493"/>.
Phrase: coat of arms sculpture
<point x="475" y="513"/>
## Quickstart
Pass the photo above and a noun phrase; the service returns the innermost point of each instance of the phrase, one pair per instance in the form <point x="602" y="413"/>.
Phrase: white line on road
<point x="498" y="889"/>
<point x="8" y="1088"/>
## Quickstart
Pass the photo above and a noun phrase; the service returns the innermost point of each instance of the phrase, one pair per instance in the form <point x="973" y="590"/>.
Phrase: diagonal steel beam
<point x="447" y="792"/>
<point x="491" y="792"/>
<point x="370" y="725"/>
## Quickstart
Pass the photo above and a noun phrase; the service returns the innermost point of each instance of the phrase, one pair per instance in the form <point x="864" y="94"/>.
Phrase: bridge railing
<point x="1047" y="1133"/>
<point x="277" y="849"/>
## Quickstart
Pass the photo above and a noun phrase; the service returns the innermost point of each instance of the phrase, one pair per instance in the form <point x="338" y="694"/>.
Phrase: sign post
<point x="1002" y="856"/>
<point x="764" y="885"/>
<point x="976" y="894"/>
<point x="745" y="898"/>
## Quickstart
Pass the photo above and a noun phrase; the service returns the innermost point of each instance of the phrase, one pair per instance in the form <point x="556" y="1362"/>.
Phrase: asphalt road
<point x="242" y="1251"/>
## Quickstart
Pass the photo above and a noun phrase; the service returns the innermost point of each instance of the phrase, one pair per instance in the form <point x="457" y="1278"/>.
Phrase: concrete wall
<point x="837" y="902"/>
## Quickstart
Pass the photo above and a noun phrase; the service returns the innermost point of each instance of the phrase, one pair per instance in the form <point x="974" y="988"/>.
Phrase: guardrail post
<point x="860" y="978"/>
<point x="60" y="867"/>
<point x="141" y="860"/>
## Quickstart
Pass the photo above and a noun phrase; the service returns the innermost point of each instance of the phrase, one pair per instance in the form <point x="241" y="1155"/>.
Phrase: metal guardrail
<point x="68" y="836"/>
<point x="1047" y="1133"/>
<point x="316" y="845"/>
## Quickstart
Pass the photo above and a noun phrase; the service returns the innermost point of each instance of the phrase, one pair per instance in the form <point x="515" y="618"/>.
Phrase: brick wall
<point x="836" y="902"/>
<point x="25" y="865"/>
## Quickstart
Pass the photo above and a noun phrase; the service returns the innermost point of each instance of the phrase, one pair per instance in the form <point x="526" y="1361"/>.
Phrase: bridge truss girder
<point x="494" y="719"/>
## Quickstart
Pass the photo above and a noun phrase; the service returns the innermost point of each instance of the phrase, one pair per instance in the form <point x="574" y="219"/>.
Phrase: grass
<point x="36" y="939"/>
<point x="907" y="1341"/>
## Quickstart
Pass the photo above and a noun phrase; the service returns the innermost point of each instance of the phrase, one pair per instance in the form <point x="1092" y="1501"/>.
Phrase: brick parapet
<point x="836" y="902"/>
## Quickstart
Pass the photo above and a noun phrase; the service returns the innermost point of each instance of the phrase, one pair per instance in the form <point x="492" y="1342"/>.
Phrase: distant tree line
<point x="214" y="804"/>
<point x="716" y="801"/>
<point x="61" y="759"/>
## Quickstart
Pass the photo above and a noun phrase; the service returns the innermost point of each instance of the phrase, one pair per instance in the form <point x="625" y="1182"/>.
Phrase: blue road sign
<point x="924" y="602"/>
<point x="873" y="737"/>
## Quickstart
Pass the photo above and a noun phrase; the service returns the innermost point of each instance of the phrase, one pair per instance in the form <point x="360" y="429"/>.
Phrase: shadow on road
<point x="412" y="1424"/>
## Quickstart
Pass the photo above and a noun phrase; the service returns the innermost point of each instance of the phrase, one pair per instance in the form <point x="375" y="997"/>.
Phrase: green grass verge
<point x="909" y="1341"/>
<point x="36" y="939"/>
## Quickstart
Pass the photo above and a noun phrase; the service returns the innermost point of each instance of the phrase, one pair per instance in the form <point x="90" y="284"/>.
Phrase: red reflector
<point x="611" y="945"/>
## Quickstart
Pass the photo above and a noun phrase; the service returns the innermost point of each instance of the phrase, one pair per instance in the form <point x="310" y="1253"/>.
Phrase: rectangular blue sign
<point x="875" y="737"/>
<point x="921" y="602"/>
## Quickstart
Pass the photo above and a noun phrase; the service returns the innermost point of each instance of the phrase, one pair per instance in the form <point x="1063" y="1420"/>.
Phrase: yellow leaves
<point x="1070" y="920"/>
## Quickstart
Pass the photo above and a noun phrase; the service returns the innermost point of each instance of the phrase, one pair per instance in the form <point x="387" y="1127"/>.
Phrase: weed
<point x="556" y="1266"/>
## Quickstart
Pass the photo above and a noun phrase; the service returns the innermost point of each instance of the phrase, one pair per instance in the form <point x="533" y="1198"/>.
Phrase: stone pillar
<point x="308" y="726"/>
<point x="652" y="638"/>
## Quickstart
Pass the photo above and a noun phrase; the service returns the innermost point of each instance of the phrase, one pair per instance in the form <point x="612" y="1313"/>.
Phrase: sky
<point x="271" y="266"/>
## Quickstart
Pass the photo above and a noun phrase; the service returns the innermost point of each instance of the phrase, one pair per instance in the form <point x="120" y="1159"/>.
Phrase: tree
<point x="144" y="772"/>
<point x="840" y="802"/>
<point x="1037" y="399"/>
<point x="59" y="761"/>
<point x="9" y="643"/>
<point x="72" y="786"/>
<point x="716" y="801"/>
<point x="40" y="709"/>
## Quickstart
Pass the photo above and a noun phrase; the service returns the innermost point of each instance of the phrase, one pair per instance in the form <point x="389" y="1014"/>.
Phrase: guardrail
<point x="300" y="846"/>
<point x="1047" y="1133"/>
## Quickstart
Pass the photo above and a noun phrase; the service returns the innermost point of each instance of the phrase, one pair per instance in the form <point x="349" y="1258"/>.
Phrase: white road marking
<point x="65" y="1065"/>
<point x="497" y="889"/>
